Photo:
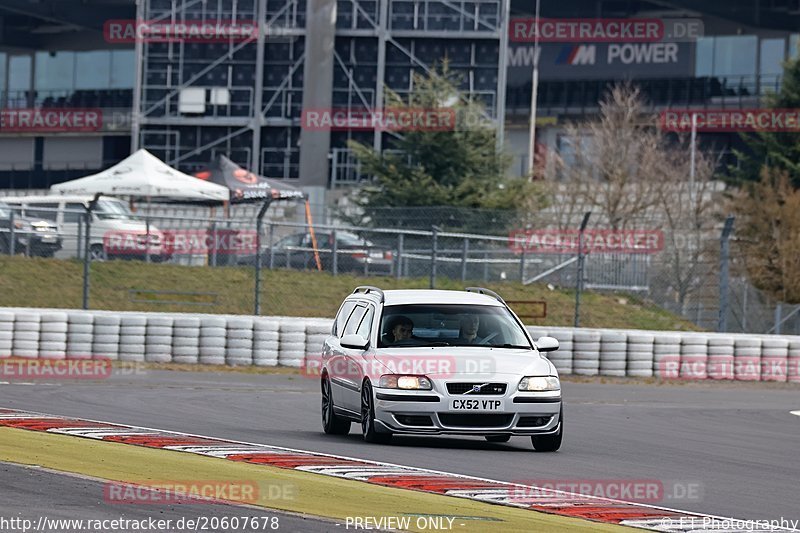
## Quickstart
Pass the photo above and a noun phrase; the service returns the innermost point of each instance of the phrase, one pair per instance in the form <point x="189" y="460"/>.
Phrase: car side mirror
<point x="546" y="344"/>
<point x="354" y="341"/>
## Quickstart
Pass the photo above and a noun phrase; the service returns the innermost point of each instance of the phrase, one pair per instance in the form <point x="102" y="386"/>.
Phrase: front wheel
<point x="332" y="424"/>
<point x="97" y="253"/>
<point x="368" y="418"/>
<point x="549" y="443"/>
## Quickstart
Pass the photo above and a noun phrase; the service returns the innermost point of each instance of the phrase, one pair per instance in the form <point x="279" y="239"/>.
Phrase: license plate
<point x="476" y="404"/>
<point x="48" y="239"/>
<point x="376" y="255"/>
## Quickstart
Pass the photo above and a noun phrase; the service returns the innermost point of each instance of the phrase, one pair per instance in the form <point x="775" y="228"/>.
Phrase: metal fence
<point x="682" y="270"/>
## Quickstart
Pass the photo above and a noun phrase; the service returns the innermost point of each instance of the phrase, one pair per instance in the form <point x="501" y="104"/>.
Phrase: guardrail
<point x="286" y="341"/>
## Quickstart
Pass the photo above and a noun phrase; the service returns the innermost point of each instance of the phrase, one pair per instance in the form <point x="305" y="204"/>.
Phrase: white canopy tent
<point x="144" y="175"/>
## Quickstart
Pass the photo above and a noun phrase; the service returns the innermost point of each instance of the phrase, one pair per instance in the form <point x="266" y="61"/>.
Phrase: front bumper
<point x="430" y="413"/>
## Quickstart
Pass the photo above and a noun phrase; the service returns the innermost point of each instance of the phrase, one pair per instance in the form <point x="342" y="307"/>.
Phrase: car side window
<point x="341" y="317"/>
<point x="365" y="327"/>
<point x="42" y="211"/>
<point x="354" y="321"/>
<point x="73" y="213"/>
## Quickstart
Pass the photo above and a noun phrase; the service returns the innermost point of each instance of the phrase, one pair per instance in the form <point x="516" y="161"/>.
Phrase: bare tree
<point x="768" y="227"/>
<point x="687" y="212"/>
<point x="617" y="160"/>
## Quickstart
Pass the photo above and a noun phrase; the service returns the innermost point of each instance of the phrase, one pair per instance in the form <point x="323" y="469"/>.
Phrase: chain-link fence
<point x="177" y="258"/>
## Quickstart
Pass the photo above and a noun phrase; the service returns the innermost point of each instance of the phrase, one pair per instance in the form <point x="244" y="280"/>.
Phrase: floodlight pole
<point x="87" y="247"/>
<point x="259" y="225"/>
<point x="579" y="279"/>
<point x="534" y="95"/>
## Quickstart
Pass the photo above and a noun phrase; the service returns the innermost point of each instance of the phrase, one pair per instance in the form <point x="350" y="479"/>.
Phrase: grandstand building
<point x="81" y="84"/>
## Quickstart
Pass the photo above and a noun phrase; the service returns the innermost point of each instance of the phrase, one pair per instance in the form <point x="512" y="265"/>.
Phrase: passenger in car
<point x="468" y="332"/>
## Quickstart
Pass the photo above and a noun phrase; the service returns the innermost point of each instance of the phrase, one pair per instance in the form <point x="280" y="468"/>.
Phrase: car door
<point x="358" y="361"/>
<point x="73" y="216"/>
<point x="333" y="354"/>
<point x="352" y="359"/>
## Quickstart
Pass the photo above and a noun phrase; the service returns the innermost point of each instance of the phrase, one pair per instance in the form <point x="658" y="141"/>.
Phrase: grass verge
<point x="37" y="282"/>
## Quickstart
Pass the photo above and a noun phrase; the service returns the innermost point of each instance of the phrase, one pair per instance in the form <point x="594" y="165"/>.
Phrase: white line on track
<point x="796" y="413"/>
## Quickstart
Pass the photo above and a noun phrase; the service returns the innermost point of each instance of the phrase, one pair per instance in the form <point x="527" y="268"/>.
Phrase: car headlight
<point x="395" y="381"/>
<point x="539" y="383"/>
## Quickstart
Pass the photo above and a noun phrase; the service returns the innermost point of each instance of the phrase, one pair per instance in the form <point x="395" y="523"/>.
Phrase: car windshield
<point x="450" y="325"/>
<point x="110" y="209"/>
<point x="351" y="239"/>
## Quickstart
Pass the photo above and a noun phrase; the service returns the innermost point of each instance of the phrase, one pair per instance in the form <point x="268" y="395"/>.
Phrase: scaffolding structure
<point x="244" y="97"/>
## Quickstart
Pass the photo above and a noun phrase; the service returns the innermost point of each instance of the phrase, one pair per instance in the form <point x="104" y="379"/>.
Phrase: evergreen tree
<point x="776" y="150"/>
<point x="457" y="167"/>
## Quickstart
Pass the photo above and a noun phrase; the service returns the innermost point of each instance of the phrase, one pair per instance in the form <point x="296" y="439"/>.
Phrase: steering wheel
<point x="489" y="337"/>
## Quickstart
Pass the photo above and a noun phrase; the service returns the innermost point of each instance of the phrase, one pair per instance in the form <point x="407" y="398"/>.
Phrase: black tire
<point x="549" y="443"/>
<point x="498" y="438"/>
<point x="368" y="418"/>
<point x="97" y="253"/>
<point x="4" y="246"/>
<point x="332" y="424"/>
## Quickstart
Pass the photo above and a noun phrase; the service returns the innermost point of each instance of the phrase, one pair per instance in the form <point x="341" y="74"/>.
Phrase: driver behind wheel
<point x="400" y="328"/>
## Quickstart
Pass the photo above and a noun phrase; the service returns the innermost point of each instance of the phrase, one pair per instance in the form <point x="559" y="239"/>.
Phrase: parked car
<point x="354" y="254"/>
<point x="32" y="236"/>
<point x="116" y="232"/>
<point x="431" y="362"/>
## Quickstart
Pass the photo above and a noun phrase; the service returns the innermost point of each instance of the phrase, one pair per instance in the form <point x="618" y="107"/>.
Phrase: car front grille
<point x="474" y="420"/>
<point x="487" y="389"/>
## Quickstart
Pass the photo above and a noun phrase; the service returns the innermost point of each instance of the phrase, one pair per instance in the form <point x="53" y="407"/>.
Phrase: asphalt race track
<point x="723" y="449"/>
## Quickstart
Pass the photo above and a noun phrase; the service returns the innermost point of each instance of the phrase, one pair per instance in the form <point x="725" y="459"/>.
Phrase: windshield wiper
<point x="439" y="343"/>
<point x="507" y="345"/>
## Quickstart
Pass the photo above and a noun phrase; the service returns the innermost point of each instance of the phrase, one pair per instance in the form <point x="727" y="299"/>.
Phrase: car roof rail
<point x="487" y="292"/>
<point x="366" y="289"/>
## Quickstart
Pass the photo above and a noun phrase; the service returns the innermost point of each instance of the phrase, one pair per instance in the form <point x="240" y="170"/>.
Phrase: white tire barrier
<point x="265" y="342"/>
<point x="640" y="354"/>
<point x="292" y="343"/>
<point x="53" y="335"/>
<point x="132" y="331"/>
<point x="793" y="362"/>
<point x="774" y="359"/>
<point x="6" y="333"/>
<point x="666" y="355"/>
<point x="80" y="334"/>
<point x="586" y="352"/>
<point x="562" y="358"/>
<point x="26" y="335"/>
<point x="613" y="353"/>
<point x="747" y="358"/>
<point x="213" y="330"/>
<point x="106" y="336"/>
<point x="286" y="341"/>
<point x="158" y="339"/>
<point x="239" y="347"/>
<point x="694" y="357"/>
<point x="720" y="357"/>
